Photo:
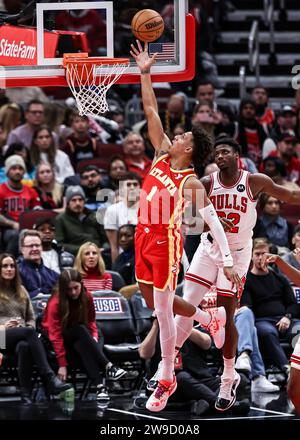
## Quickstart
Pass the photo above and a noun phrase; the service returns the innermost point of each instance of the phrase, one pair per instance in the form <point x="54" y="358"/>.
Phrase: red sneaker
<point x="159" y="398"/>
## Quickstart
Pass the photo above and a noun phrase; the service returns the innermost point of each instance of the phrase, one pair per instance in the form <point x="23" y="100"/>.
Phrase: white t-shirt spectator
<point x="119" y="214"/>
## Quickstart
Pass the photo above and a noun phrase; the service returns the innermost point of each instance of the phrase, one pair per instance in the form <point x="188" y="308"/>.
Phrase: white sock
<point x="202" y="317"/>
<point x="228" y="367"/>
<point x="163" y="304"/>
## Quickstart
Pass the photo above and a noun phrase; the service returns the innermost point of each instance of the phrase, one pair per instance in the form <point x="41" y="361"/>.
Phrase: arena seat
<point x="117" y="280"/>
<point x="107" y="151"/>
<point x="29" y="218"/>
<point x="290" y="213"/>
<point x="115" y="321"/>
<point x="97" y="161"/>
<point x="142" y="315"/>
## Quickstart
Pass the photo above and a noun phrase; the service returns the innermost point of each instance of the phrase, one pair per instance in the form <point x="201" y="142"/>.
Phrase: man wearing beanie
<point x="77" y="224"/>
<point x="15" y="198"/>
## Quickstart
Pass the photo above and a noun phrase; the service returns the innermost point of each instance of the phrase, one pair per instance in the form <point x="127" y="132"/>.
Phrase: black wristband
<point x="289" y="316"/>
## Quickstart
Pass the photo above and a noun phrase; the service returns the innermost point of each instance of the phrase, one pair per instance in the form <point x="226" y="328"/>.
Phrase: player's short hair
<point x="202" y="149"/>
<point x="296" y="229"/>
<point x="224" y="139"/>
<point x="260" y="242"/>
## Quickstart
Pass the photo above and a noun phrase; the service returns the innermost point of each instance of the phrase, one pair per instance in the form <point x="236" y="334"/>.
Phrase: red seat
<point x="106" y="151"/>
<point x="291" y="213"/>
<point x="100" y="163"/>
<point x="29" y="218"/>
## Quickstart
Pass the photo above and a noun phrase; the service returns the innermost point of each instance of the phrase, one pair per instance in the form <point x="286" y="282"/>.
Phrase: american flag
<point x="165" y="51"/>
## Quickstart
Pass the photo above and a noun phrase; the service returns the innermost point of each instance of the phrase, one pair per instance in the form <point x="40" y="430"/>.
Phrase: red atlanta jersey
<point x="237" y="204"/>
<point x="161" y="199"/>
<point x="13" y="202"/>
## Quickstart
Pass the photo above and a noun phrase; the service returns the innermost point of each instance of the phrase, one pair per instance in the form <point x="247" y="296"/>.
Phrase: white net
<point x="89" y="84"/>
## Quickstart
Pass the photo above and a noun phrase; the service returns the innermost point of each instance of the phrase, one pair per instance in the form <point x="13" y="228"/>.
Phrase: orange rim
<point x="81" y="59"/>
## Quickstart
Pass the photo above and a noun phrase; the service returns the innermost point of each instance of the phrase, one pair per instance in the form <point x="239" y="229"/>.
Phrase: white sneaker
<point x="227" y="393"/>
<point x="243" y="363"/>
<point x="263" y="385"/>
<point x="152" y="384"/>
<point x="216" y="327"/>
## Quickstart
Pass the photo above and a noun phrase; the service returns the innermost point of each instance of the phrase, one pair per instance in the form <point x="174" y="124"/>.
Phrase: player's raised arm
<point x="157" y="136"/>
<point x="195" y="192"/>
<point x="260" y="183"/>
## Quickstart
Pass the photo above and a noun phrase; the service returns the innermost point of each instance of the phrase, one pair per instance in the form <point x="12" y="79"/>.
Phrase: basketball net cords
<point x="89" y="85"/>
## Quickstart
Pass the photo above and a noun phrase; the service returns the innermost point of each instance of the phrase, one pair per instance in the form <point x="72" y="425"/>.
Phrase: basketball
<point x="147" y="25"/>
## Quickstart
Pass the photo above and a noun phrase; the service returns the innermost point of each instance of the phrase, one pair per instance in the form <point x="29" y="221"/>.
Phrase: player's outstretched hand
<point x="268" y="259"/>
<point x="141" y="56"/>
<point x="232" y="276"/>
<point x="296" y="254"/>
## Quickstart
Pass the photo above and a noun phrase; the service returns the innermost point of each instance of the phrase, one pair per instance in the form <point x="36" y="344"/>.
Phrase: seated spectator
<point x="278" y="230"/>
<point x="43" y="149"/>
<point x="77" y="224"/>
<point x="18" y="322"/>
<point x="286" y="152"/>
<point x="36" y="277"/>
<point x="204" y="117"/>
<point x="10" y="117"/>
<point x="206" y="92"/>
<point x="249" y="360"/>
<point x="118" y="136"/>
<point x="124" y="212"/>
<point x="293" y="274"/>
<point x="34" y="117"/>
<point x="274" y="168"/>
<point x="49" y="190"/>
<point x="89" y="263"/>
<point x="134" y="155"/>
<point x="264" y="114"/>
<point x="290" y="257"/>
<point x="92" y="181"/>
<point x="14" y="199"/>
<point x="270" y="297"/>
<point x="251" y="134"/>
<point x="54" y="256"/>
<point x="125" y="262"/>
<point x="117" y="169"/>
<point x="70" y="324"/>
<point x="285" y="124"/>
<point x="22" y="151"/>
<point x="175" y="114"/>
<point x="80" y="145"/>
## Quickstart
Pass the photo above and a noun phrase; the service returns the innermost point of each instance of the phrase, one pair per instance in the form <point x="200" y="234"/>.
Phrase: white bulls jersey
<point x="236" y="204"/>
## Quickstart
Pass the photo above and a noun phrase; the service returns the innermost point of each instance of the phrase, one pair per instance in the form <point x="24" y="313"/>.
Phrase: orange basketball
<point x="147" y="25"/>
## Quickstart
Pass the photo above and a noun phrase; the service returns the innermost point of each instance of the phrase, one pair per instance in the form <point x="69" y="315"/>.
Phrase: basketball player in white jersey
<point x="293" y="274"/>
<point x="234" y="193"/>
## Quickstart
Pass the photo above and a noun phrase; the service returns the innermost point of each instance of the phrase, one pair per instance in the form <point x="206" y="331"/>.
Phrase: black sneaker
<point x="227" y="393"/>
<point x="114" y="373"/>
<point x="102" y="394"/>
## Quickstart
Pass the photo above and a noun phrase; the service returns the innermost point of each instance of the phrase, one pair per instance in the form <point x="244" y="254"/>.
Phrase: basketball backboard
<point x="32" y="56"/>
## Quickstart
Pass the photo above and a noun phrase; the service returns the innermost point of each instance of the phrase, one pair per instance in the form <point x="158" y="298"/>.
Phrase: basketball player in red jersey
<point x="234" y="194"/>
<point x="158" y="239"/>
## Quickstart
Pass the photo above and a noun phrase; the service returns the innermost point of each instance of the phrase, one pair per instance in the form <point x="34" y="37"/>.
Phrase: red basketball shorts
<point x="158" y="255"/>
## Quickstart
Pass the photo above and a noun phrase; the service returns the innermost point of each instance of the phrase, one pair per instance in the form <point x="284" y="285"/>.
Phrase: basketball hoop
<point x="90" y="78"/>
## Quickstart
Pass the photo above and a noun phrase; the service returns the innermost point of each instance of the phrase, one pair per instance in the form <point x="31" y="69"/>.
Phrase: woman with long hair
<point x="70" y="324"/>
<point x="48" y="189"/>
<point x="43" y="150"/>
<point x="89" y="263"/>
<point x="10" y="118"/>
<point x="18" y="322"/>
